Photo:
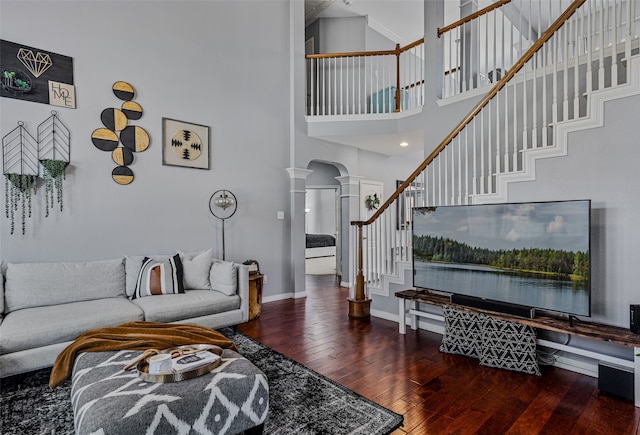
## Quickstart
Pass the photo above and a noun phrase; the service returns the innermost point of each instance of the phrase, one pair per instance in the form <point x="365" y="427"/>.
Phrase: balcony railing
<point x="366" y="82"/>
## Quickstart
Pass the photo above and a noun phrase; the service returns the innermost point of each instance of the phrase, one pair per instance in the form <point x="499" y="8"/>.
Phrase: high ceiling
<point x="401" y="21"/>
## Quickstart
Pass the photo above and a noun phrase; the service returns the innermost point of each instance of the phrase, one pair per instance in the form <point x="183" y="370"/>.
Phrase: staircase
<point x="589" y="55"/>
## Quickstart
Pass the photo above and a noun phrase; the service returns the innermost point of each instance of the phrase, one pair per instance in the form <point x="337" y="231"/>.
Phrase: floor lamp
<point x="223" y="205"/>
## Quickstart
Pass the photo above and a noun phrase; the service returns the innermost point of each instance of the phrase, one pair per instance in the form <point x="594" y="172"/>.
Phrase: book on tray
<point x="193" y="361"/>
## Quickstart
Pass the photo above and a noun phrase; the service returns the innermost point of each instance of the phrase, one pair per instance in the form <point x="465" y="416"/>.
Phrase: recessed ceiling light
<point x="404" y="144"/>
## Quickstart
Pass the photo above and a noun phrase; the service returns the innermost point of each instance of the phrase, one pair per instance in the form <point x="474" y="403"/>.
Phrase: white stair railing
<point x="366" y="82"/>
<point x="584" y="50"/>
<point x="480" y="48"/>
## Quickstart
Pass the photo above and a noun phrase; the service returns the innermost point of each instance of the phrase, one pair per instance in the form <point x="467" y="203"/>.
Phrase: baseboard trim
<point x="279" y="297"/>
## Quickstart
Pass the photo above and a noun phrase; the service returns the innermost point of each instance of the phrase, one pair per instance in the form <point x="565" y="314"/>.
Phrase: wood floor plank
<point x="436" y="393"/>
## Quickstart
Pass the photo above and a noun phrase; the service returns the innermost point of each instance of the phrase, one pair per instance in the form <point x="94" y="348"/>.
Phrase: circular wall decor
<point x="104" y="139"/>
<point x="135" y="138"/>
<point x="122" y="156"/>
<point x="113" y="119"/>
<point x="122" y="175"/>
<point x="132" y="110"/>
<point x="123" y="91"/>
<point x="120" y="138"/>
<point x="186" y="144"/>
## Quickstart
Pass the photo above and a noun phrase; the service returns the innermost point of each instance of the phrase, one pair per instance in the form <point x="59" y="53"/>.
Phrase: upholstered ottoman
<point x="231" y="399"/>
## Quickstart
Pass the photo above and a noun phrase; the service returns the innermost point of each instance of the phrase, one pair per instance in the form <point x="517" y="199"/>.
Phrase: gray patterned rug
<point x="301" y="401"/>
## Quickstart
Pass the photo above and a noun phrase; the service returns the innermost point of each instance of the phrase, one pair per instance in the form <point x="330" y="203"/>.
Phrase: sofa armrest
<point x="243" y="290"/>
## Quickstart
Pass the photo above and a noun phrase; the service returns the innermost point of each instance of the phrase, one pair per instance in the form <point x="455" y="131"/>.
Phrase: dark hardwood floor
<point x="437" y="393"/>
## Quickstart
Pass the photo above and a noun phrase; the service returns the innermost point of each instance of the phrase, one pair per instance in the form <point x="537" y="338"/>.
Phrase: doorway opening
<point x="321" y="228"/>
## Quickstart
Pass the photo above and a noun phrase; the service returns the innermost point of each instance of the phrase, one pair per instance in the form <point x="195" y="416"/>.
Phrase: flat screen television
<point x="534" y="254"/>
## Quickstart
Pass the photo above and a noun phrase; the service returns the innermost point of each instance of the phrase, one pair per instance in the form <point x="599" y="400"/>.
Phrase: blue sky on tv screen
<point x="560" y="225"/>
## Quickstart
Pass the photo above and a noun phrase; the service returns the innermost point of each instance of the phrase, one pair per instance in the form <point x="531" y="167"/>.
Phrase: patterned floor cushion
<point x="462" y="333"/>
<point x="232" y="398"/>
<point x="496" y="343"/>
<point x="509" y="345"/>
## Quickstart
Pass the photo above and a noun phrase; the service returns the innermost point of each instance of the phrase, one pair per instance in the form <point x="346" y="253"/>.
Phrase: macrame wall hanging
<point x="22" y="157"/>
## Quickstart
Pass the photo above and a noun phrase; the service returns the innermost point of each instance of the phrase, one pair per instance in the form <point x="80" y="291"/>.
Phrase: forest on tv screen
<point x="574" y="265"/>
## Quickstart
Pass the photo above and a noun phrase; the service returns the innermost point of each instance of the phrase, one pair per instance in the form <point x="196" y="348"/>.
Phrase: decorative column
<point x="349" y="205"/>
<point x="298" y="182"/>
<point x="469" y="50"/>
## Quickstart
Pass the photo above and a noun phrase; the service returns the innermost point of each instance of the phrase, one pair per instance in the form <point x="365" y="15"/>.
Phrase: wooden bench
<point x="409" y="300"/>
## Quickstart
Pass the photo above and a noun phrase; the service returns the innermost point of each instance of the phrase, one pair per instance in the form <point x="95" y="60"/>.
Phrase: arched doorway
<point x="322" y="220"/>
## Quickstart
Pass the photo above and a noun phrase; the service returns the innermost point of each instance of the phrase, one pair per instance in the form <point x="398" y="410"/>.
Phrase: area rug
<point x="301" y="401"/>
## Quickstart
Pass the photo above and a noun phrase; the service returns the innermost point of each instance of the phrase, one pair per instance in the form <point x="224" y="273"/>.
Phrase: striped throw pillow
<point x="159" y="277"/>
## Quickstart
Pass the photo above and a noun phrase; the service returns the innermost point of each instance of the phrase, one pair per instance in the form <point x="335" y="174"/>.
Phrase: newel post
<point x="360" y="305"/>
<point x="398" y="53"/>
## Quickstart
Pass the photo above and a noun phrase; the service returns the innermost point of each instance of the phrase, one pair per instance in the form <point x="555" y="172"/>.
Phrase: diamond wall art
<point x="36" y="75"/>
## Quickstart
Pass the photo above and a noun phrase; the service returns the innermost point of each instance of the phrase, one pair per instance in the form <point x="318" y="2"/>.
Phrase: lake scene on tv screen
<point x="531" y="254"/>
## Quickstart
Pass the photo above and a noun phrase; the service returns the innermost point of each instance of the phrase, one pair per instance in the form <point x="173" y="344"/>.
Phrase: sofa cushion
<point x="160" y="277"/>
<point x="31" y="285"/>
<point x="132" y="266"/>
<point x="224" y="277"/>
<point x="133" y="263"/>
<point x="193" y="303"/>
<point x="196" y="267"/>
<point x="42" y="326"/>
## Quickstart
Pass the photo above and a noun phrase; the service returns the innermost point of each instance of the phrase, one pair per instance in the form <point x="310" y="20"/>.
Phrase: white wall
<point x="242" y="86"/>
<point x="601" y="166"/>
<point x="227" y="80"/>
<point x="342" y="34"/>
<point x="321" y="211"/>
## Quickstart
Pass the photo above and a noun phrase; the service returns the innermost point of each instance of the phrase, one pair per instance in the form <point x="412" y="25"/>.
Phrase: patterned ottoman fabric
<point x="107" y="400"/>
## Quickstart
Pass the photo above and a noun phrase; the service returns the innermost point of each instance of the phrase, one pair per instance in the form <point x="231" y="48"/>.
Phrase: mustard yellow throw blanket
<point x="134" y="336"/>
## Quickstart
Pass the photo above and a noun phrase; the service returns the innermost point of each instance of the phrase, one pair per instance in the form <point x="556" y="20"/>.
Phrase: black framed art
<point x="185" y="144"/>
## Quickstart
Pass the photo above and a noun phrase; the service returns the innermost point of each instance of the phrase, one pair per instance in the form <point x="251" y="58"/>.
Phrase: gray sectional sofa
<point x="45" y="306"/>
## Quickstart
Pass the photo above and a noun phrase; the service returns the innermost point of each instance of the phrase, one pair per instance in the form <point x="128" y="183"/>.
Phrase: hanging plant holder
<point x="53" y="174"/>
<point x="54" y="145"/>
<point x="18" y="190"/>
<point x="20" y="168"/>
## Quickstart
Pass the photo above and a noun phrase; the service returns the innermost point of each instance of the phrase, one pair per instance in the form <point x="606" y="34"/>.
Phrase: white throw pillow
<point x="196" y="267"/>
<point x="223" y="277"/>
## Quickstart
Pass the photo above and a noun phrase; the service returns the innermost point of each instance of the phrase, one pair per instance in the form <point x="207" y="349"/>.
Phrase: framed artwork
<point x="185" y="144"/>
